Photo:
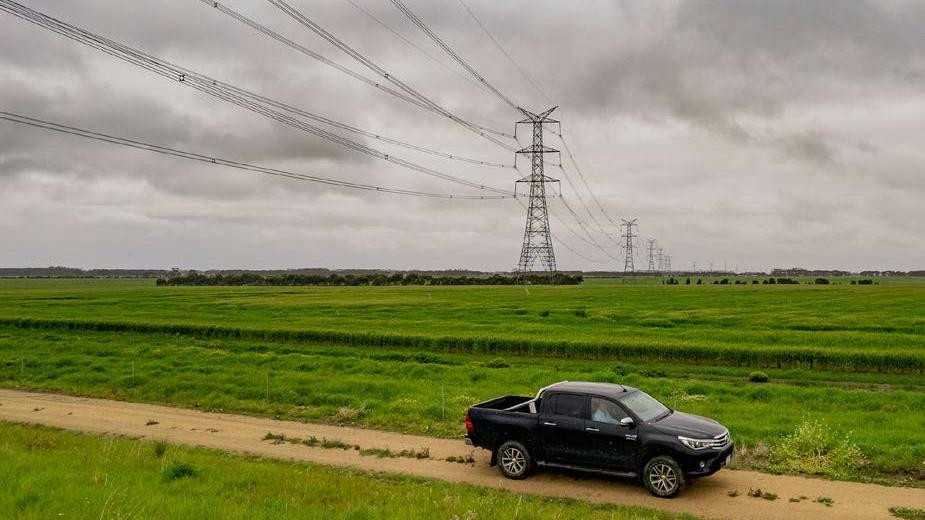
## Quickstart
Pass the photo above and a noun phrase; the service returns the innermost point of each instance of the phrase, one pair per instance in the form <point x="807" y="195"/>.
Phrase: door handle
<point x="549" y="424"/>
<point x="591" y="430"/>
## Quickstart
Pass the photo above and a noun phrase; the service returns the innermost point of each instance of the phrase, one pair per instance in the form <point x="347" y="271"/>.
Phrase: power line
<point x="122" y="141"/>
<point x="583" y="227"/>
<point x="415" y="46"/>
<point x="211" y="87"/>
<point x="581" y="201"/>
<point x="409" y="94"/>
<point x="433" y="36"/>
<point x="503" y="51"/>
<point x="568" y="152"/>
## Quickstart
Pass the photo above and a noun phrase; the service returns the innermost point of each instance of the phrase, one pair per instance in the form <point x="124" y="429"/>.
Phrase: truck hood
<point x="689" y="425"/>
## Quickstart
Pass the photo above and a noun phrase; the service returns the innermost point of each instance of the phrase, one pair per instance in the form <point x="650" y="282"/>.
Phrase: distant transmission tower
<point x="628" y="237"/>
<point x="650" y="247"/>
<point x="537" y="239"/>
<point x="660" y="258"/>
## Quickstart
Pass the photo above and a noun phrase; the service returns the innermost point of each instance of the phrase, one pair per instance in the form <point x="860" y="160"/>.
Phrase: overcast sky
<point x="752" y="134"/>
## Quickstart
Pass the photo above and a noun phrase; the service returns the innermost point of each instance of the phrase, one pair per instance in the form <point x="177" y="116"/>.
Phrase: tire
<point x="514" y="460"/>
<point x="663" y="477"/>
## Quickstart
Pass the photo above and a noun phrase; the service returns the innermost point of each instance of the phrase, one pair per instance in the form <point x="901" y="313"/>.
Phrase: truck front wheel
<point x="514" y="460"/>
<point x="662" y="476"/>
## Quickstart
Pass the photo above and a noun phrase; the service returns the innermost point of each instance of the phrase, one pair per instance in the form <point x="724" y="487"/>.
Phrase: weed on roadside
<point x="908" y="513"/>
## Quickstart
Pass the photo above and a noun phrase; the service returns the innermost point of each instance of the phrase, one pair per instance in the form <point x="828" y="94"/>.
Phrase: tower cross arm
<point x="533" y="148"/>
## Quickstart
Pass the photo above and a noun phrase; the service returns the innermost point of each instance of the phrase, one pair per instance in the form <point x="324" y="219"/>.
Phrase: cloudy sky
<point x="752" y="134"/>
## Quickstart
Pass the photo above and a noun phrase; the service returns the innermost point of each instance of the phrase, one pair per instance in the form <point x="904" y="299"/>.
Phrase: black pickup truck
<point x="599" y="427"/>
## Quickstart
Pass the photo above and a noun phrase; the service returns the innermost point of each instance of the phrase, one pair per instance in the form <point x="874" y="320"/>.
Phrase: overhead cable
<point x="212" y="87"/>
<point x="415" y="100"/>
<point x="433" y="36"/>
<point x="503" y="51"/>
<point x="122" y="141"/>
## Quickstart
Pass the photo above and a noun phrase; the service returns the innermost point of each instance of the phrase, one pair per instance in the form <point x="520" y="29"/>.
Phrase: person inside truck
<point x="604" y="411"/>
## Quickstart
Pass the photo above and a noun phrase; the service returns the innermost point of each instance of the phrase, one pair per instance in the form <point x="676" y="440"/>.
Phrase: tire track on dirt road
<point x="243" y="434"/>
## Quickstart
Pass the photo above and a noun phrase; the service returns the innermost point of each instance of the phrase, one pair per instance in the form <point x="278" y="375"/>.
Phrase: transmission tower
<point x="660" y="258"/>
<point x="628" y="237"/>
<point x="650" y="248"/>
<point x="537" y="239"/>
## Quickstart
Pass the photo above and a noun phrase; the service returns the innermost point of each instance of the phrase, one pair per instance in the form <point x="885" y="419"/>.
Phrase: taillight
<point x="469" y="425"/>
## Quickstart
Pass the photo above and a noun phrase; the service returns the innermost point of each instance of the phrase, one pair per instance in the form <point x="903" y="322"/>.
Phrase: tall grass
<point x="758" y="356"/>
<point x="427" y="393"/>
<point x="839" y="327"/>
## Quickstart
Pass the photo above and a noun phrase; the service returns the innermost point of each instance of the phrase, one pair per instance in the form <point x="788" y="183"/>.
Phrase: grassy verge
<point x="426" y="393"/>
<point x="48" y="474"/>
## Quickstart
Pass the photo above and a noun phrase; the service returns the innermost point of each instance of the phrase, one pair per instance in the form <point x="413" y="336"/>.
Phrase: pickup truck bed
<point x="497" y="419"/>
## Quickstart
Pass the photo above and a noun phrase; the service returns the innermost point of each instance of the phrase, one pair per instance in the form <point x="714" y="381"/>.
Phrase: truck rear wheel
<point x="663" y="477"/>
<point x="514" y="460"/>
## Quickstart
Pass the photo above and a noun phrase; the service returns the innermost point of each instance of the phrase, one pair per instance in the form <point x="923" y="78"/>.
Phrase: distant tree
<point x="688" y="281"/>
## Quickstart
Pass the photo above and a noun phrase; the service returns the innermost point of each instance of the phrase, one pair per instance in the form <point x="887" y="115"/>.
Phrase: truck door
<point x="609" y="445"/>
<point x="562" y="427"/>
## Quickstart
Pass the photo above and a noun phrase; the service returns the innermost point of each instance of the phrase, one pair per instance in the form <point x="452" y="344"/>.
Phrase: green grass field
<point x="52" y="474"/>
<point x="247" y="350"/>
<point x="836" y="327"/>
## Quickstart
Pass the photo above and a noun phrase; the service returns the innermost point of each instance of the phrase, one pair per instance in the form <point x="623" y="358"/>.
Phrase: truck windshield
<point x="644" y="406"/>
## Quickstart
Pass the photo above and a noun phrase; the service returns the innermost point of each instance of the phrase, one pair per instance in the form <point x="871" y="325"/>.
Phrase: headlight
<point x="696" y="444"/>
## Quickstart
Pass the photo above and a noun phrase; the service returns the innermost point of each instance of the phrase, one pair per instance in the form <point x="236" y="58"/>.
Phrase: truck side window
<point x="569" y="405"/>
<point x="605" y="411"/>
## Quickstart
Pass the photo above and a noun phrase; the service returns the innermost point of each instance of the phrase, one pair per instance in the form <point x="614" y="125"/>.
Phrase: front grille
<point x="721" y="440"/>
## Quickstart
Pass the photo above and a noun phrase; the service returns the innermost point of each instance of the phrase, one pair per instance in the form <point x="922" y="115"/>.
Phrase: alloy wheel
<point x="663" y="478"/>
<point x="513" y="461"/>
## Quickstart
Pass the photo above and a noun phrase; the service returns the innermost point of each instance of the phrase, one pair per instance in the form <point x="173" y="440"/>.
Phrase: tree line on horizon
<point x="375" y="279"/>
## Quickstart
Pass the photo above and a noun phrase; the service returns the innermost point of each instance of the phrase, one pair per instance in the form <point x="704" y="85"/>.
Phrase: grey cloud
<point x="680" y="113"/>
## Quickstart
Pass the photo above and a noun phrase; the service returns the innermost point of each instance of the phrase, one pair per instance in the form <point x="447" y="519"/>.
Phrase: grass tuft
<point x="177" y="470"/>
<point x="908" y="513"/>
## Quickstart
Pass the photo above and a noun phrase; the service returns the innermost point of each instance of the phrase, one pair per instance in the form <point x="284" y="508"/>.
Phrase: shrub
<point x="496" y="363"/>
<point x="177" y="470"/>
<point x="814" y="448"/>
<point x="822" y="281"/>
<point x="758" y="377"/>
<point x="581" y="313"/>
<point x="544" y="313"/>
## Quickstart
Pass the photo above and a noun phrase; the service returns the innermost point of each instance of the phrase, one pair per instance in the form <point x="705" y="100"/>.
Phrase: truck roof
<point x="611" y="390"/>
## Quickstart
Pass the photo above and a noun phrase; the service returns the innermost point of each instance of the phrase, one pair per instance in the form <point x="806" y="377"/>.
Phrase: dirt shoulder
<point x="707" y="497"/>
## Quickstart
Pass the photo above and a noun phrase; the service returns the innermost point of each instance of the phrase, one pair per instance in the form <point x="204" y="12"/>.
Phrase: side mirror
<point x="627" y="422"/>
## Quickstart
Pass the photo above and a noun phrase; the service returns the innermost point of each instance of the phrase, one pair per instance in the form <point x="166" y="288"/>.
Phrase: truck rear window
<point x="569" y="405"/>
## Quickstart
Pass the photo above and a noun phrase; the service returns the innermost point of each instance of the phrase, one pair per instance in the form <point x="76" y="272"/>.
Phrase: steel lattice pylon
<point x="537" y="239"/>
<point x="628" y="236"/>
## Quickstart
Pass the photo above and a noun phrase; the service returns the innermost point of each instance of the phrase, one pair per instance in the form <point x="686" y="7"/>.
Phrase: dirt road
<point x="707" y="497"/>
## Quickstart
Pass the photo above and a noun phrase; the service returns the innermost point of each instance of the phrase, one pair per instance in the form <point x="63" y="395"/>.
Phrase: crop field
<point x="119" y="478"/>
<point x="879" y="328"/>
<point x="413" y="358"/>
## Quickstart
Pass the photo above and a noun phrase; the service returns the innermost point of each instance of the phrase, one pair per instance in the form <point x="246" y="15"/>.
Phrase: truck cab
<point x="599" y="427"/>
